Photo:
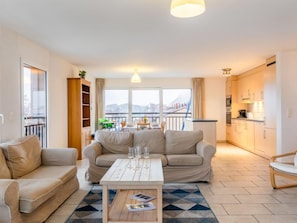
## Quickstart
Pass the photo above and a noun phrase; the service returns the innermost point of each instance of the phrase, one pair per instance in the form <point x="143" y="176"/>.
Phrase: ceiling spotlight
<point x="135" y="78"/>
<point x="226" y="72"/>
<point x="187" y="8"/>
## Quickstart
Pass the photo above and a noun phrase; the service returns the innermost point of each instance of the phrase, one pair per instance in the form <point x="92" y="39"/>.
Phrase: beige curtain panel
<point x="198" y="98"/>
<point x="99" y="113"/>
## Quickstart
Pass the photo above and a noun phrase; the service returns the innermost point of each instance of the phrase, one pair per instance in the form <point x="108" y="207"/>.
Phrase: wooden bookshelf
<point x="79" y="114"/>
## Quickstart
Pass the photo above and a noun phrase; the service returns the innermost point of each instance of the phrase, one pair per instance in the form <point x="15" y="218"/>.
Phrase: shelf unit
<point x="79" y="114"/>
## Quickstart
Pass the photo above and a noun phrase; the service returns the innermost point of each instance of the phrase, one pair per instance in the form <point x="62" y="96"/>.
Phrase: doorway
<point x="34" y="96"/>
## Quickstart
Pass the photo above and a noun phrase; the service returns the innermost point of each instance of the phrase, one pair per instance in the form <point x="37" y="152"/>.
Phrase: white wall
<point x="214" y="93"/>
<point x="149" y="83"/>
<point x="286" y="64"/>
<point x="15" y="50"/>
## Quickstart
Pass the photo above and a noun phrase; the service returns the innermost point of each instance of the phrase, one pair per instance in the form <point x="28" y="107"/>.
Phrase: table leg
<point x="105" y="204"/>
<point x="160" y="204"/>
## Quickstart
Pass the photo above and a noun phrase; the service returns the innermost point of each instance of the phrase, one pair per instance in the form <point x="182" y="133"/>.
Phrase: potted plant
<point x="82" y="73"/>
<point x="105" y="123"/>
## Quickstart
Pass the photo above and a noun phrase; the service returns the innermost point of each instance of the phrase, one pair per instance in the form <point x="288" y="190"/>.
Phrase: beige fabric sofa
<point x="34" y="182"/>
<point x="185" y="156"/>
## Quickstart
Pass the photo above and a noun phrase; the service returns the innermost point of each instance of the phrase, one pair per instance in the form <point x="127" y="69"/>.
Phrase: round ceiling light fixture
<point x="187" y="8"/>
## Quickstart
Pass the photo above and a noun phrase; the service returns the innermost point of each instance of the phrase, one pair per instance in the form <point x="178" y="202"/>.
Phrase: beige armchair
<point x="284" y="169"/>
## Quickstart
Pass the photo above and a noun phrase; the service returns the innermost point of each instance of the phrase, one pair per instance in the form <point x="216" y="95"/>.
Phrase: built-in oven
<point x="228" y="101"/>
<point x="228" y="109"/>
<point x="228" y="115"/>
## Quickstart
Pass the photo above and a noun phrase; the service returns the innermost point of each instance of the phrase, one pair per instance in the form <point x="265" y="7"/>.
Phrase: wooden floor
<point x="240" y="191"/>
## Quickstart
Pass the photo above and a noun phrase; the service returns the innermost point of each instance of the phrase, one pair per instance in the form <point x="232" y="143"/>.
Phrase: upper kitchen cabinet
<point x="270" y="94"/>
<point x="257" y="84"/>
<point x="250" y="85"/>
<point x="231" y="87"/>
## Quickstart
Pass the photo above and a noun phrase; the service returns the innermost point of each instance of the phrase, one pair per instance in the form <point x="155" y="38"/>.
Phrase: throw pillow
<point x="23" y="155"/>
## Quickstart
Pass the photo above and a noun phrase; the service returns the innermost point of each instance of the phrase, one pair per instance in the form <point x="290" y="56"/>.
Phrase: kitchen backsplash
<point x="257" y="110"/>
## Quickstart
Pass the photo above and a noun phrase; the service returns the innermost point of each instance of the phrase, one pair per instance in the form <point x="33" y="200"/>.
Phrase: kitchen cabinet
<point x="270" y="94"/>
<point x="257" y="84"/>
<point x="265" y="140"/>
<point x="242" y="134"/>
<point x="250" y="85"/>
<point x="243" y="89"/>
<point x="79" y="119"/>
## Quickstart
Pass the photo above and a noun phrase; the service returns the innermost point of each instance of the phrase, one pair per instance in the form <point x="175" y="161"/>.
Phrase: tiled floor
<point x="240" y="191"/>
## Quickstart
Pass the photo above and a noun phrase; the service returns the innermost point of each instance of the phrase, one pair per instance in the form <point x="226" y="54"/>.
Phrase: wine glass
<point x="137" y="155"/>
<point x="146" y="155"/>
<point x="130" y="156"/>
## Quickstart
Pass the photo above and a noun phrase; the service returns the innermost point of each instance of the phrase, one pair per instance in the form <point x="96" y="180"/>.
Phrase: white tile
<point x="245" y="209"/>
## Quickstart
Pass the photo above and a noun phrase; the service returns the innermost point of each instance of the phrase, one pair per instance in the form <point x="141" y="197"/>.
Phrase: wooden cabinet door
<point x="259" y="138"/>
<point x="270" y="96"/>
<point x="270" y="141"/>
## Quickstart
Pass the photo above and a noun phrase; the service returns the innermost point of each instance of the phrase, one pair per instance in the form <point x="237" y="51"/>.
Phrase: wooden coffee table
<point x="148" y="179"/>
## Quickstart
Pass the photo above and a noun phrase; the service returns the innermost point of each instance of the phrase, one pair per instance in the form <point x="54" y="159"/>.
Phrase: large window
<point x="176" y="107"/>
<point x="146" y="103"/>
<point x="131" y="105"/>
<point x="116" y="104"/>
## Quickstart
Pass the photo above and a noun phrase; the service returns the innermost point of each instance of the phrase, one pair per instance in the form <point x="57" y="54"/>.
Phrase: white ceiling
<point x="110" y="38"/>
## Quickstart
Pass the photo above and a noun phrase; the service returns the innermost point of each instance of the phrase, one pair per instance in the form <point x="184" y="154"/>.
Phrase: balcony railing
<point x="36" y="125"/>
<point x="174" y="121"/>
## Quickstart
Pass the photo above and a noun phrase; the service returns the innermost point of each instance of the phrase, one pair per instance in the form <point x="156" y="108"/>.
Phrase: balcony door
<point x="34" y="96"/>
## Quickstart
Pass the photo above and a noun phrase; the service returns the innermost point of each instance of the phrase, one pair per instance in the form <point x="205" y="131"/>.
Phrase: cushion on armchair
<point x="182" y="142"/>
<point x="23" y="155"/>
<point x="4" y="171"/>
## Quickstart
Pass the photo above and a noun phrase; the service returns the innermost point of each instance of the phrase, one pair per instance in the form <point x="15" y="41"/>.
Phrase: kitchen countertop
<point x="249" y="119"/>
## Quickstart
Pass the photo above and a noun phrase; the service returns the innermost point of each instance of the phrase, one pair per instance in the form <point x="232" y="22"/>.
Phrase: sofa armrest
<point x="59" y="156"/>
<point x="9" y="201"/>
<point x="206" y="150"/>
<point x="93" y="150"/>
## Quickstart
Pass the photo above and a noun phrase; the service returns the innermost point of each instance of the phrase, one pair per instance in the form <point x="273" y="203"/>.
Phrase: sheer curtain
<point x="99" y="113"/>
<point x="198" y="98"/>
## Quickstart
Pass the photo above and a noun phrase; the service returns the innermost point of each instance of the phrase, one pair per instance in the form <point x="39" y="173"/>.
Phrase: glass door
<point x="34" y="97"/>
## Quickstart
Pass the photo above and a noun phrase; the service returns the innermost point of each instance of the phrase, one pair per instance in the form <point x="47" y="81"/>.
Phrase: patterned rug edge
<point x="182" y="203"/>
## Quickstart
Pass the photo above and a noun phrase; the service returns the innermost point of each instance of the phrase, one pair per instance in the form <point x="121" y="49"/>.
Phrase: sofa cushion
<point x="182" y="142"/>
<point x="184" y="160"/>
<point x="106" y="160"/>
<point x="23" y="155"/>
<point x="114" y="142"/>
<point x="4" y="171"/>
<point x="63" y="173"/>
<point x="34" y="192"/>
<point x="160" y="156"/>
<point x="154" y="139"/>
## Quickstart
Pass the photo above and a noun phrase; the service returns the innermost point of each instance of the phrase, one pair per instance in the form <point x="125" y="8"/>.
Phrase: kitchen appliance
<point x="228" y="101"/>
<point x="228" y="109"/>
<point x="242" y="113"/>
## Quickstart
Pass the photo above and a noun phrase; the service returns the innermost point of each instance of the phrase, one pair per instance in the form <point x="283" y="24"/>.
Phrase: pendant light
<point x="187" y="8"/>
